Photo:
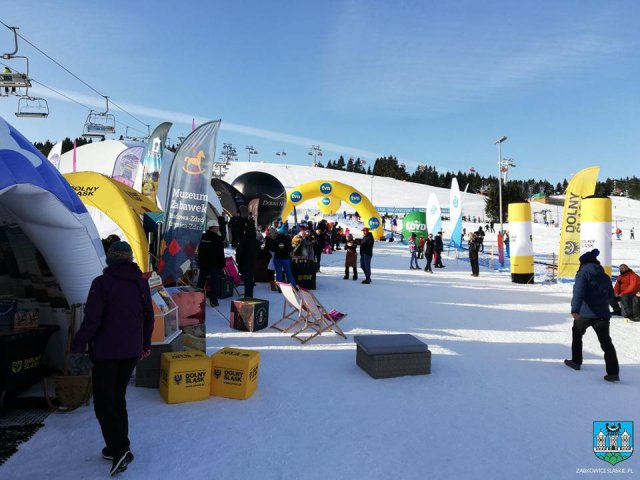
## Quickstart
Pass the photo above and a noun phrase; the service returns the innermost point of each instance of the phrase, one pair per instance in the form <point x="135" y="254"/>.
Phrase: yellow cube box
<point x="234" y="373"/>
<point x="185" y="376"/>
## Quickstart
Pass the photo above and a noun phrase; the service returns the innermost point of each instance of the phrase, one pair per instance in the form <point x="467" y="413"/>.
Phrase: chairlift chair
<point x="99" y="124"/>
<point x="32" y="107"/>
<point x="14" y="79"/>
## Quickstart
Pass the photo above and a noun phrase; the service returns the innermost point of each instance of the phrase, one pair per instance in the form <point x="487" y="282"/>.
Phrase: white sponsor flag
<point x="54" y="155"/>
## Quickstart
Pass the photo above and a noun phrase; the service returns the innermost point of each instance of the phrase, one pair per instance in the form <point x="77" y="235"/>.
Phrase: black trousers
<point x="213" y="275"/>
<point x="247" y="278"/>
<point x="110" y="379"/>
<point x="355" y="272"/>
<point x="475" y="267"/>
<point x="601" y="327"/>
<point x="429" y="257"/>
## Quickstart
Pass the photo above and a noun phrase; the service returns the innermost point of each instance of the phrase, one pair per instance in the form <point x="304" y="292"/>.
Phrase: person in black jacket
<point x="282" y="256"/>
<point x="438" y="247"/>
<point x="429" y="248"/>
<point x="366" y="252"/>
<point x="211" y="260"/>
<point x="592" y="293"/>
<point x="474" y="247"/>
<point x="246" y="257"/>
<point x="480" y="239"/>
<point x="236" y="225"/>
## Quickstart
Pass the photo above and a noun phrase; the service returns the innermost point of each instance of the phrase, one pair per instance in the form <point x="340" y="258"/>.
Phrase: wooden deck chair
<point x="318" y="319"/>
<point x="231" y="270"/>
<point x="296" y="313"/>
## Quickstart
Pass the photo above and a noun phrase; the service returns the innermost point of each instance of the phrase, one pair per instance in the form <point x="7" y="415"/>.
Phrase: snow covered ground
<point x="498" y="404"/>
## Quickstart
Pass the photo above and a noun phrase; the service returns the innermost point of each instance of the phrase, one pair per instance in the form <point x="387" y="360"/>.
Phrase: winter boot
<point x="572" y="364"/>
<point x="273" y="285"/>
<point x="612" y="378"/>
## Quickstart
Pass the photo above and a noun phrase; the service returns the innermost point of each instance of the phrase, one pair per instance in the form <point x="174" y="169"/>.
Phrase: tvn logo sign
<point x="295" y="196"/>
<point x="326" y="201"/>
<point x="355" y="198"/>
<point x="325" y="188"/>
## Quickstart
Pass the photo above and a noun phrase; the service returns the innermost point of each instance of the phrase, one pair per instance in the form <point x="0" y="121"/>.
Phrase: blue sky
<point x="432" y="82"/>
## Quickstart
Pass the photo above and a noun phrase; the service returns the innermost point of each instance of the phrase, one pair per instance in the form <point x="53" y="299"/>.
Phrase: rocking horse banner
<point x="187" y="200"/>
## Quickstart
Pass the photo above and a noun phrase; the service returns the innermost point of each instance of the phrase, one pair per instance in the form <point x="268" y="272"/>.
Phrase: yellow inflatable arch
<point x="115" y="208"/>
<point x="339" y="191"/>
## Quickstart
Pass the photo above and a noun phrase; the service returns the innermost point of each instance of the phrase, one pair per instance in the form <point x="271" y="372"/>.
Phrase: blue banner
<point x="152" y="160"/>
<point x="186" y="204"/>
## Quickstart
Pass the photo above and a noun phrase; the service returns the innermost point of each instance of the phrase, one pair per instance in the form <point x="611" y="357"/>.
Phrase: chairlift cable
<point x="74" y="100"/>
<point x="72" y="74"/>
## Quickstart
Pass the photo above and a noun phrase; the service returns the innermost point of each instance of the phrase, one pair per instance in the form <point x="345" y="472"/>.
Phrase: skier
<point x="592" y="292"/>
<point x="632" y="235"/>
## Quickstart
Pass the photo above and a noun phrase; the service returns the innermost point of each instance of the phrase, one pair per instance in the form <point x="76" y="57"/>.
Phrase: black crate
<point x="305" y="273"/>
<point x="226" y="286"/>
<point x="148" y="370"/>
<point x="249" y="314"/>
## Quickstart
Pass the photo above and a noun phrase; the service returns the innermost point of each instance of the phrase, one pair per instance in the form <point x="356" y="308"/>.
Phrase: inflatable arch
<point x="115" y="209"/>
<point x="338" y="190"/>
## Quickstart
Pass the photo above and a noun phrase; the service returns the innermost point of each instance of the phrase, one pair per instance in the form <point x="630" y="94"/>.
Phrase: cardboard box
<point x="190" y="303"/>
<point x="234" y="373"/>
<point x="249" y="314"/>
<point x="185" y="377"/>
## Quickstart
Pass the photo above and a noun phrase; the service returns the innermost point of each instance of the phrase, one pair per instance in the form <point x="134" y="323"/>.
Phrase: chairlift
<point x="14" y="79"/>
<point x="32" y="107"/>
<point x="99" y="124"/>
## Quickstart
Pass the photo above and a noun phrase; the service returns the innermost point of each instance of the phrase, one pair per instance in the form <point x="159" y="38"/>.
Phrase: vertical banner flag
<point x="127" y="164"/>
<point x="54" y="155"/>
<point x="583" y="184"/>
<point x="434" y="217"/>
<point x="152" y="160"/>
<point x="74" y="157"/>
<point x="187" y="201"/>
<point x="455" y="213"/>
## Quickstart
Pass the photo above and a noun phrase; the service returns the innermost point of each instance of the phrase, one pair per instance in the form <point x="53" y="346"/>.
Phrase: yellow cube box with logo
<point x="234" y="373"/>
<point x="185" y="376"/>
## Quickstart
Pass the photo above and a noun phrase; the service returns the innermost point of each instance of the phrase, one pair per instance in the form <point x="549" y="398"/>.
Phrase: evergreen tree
<point x="350" y="165"/>
<point x="340" y="164"/>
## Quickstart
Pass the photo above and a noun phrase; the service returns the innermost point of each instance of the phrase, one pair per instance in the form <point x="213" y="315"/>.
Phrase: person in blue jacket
<point x="592" y="293"/>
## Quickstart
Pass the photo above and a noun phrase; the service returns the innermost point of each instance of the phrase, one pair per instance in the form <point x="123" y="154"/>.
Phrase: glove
<point x="79" y="364"/>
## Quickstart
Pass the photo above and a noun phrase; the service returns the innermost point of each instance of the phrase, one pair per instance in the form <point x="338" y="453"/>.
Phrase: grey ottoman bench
<point x="385" y="356"/>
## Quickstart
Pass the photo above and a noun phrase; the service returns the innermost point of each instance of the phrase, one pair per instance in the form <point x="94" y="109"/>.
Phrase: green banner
<point x="414" y="222"/>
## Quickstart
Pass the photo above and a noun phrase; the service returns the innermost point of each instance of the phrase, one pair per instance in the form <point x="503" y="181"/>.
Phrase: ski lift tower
<point x="251" y="151"/>
<point x="316" y="152"/>
<point x="227" y="155"/>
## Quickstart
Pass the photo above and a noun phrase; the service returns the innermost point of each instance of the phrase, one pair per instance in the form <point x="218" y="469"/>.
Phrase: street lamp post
<point x="499" y="143"/>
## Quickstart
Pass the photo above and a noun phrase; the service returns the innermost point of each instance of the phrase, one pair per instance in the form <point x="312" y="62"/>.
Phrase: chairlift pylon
<point x="99" y="124"/>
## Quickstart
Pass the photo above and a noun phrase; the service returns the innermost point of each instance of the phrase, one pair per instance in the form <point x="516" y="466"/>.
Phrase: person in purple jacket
<point x="117" y="328"/>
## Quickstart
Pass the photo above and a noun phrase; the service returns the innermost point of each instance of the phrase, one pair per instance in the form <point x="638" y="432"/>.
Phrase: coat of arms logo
<point x="613" y="441"/>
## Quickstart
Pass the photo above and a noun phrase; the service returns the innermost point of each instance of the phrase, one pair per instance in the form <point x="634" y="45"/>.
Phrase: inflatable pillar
<point x="521" y="242"/>
<point x="595" y="228"/>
